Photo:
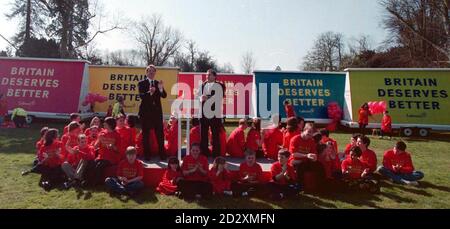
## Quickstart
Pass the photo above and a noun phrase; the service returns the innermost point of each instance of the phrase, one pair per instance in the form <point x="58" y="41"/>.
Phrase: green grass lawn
<point x="432" y="157"/>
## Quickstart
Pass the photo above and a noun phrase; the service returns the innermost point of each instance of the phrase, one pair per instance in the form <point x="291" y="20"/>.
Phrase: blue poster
<point x="308" y="92"/>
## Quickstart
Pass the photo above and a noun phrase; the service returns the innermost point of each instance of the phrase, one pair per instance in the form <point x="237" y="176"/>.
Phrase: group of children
<point x="304" y="158"/>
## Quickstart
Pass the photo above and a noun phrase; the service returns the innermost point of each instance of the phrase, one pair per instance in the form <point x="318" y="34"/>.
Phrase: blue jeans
<point x="116" y="186"/>
<point x="398" y="177"/>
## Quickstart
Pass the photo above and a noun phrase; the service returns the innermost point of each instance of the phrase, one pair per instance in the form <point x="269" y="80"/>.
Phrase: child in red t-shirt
<point x="363" y="120"/>
<point x="74" y="117"/>
<point x="78" y="158"/>
<point x="386" y="125"/>
<point x="254" y="140"/>
<point x="195" y="169"/>
<point x="130" y="122"/>
<point x="169" y="182"/>
<point x="38" y="145"/>
<point x="368" y="156"/>
<point x="236" y="140"/>
<point x="329" y="160"/>
<point x="126" y="138"/>
<point x="355" y="173"/>
<point x="220" y="177"/>
<point x="398" y="166"/>
<point x="50" y="160"/>
<point x="283" y="177"/>
<point x="291" y="131"/>
<point x="350" y="145"/>
<point x="108" y="150"/>
<point x="171" y="135"/>
<point x="272" y="142"/>
<point x="70" y="139"/>
<point x="326" y="138"/>
<point x="250" y="176"/>
<point x="130" y="173"/>
<point x="289" y="110"/>
<point x="92" y="135"/>
<point x="94" y="122"/>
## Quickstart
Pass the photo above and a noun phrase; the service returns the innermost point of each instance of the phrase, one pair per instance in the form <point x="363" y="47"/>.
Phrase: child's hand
<point x="364" y="174"/>
<point x="312" y="156"/>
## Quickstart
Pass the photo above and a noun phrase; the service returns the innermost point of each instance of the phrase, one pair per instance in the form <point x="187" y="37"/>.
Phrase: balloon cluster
<point x="378" y="107"/>
<point x="335" y="114"/>
<point x="94" y="98"/>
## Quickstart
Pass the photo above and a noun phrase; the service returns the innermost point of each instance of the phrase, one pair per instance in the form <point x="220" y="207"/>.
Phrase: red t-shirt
<point x="354" y="167"/>
<point x="299" y="145"/>
<point x="348" y="147"/>
<point x="104" y="153"/>
<point x="328" y="139"/>
<point x="289" y="109"/>
<point x="363" y="116"/>
<point x="287" y="136"/>
<point x="370" y="159"/>
<point x="273" y="140"/>
<point x="195" y="135"/>
<point x="189" y="162"/>
<point x="253" y="136"/>
<point x="386" y="124"/>
<point x="86" y="153"/>
<point x="403" y="159"/>
<point x="220" y="183"/>
<point x="125" y="140"/>
<point x="171" y="135"/>
<point x="73" y="141"/>
<point x="54" y="158"/>
<point x="130" y="171"/>
<point x="166" y="186"/>
<point x="236" y="143"/>
<point x="277" y="168"/>
<point x="253" y="172"/>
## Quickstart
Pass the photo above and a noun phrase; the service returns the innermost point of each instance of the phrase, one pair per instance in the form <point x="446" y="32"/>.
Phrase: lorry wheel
<point x="407" y="132"/>
<point x="424" y="132"/>
<point x="29" y="119"/>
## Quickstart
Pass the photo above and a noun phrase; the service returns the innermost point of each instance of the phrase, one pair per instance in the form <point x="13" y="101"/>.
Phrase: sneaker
<point x="198" y="196"/>
<point x="24" y="173"/>
<point x="46" y="185"/>
<point x="228" y="193"/>
<point x="244" y="194"/>
<point x="410" y="183"/>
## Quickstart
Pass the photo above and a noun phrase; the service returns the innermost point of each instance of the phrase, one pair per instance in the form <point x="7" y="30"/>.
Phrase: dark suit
<point x="215" y="123"/>
<point x="151" y="116"/>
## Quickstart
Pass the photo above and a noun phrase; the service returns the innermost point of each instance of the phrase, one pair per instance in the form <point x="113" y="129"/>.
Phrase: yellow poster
<point x="413" y="96"/>
<point x="112" y="81"/>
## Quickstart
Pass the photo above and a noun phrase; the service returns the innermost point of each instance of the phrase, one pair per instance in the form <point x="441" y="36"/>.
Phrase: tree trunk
<point x="28" y="23"/>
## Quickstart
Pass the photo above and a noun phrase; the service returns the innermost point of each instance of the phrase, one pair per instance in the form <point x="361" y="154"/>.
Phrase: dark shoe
<point x="46" y="186"/>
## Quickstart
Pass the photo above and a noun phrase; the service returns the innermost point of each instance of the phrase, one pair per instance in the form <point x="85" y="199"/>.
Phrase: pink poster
<point x="41" y="85"/>
<point x="238" y="89"/>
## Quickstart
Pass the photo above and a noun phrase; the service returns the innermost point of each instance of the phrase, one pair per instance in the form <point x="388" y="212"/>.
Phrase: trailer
<point x="45" y="88"/>
<point x="309" y="92"/>
<point x="417" y="98"/>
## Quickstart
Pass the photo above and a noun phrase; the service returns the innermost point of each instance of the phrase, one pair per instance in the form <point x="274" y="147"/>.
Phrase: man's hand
<point x="152" y="90"/>
<point x="203" y="98"/>
<point x="161" y="85"/>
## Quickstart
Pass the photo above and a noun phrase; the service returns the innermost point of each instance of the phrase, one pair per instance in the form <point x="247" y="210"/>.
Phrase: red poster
<point x="42" y="85"/>
<point x="238" y="90"/>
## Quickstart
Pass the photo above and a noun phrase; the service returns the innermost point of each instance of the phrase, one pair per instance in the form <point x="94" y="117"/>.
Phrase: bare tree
<point x="158" y="42"/>
<point x="248" y="62"/>
<point x="326" y="54"/>
<point x="226" y="68"/>
<point x="421" y="26"/>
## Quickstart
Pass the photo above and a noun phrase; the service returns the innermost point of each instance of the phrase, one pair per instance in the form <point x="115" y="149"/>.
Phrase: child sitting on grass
<point x="169" y="182"/>
<point x="356" y="174"/>
<point x="77" y="161"/>
<point x="398" y="166"/>
<point x="220" y="177"/>
<point x="283" y="177"/>
<point x="130" y="173"/>
<point x="50" y="161"/>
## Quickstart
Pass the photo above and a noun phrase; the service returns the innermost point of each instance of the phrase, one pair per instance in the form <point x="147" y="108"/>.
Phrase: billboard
<point x="112" y="81"/>
<point x="238" y="91"/>
<point x="413" y="96"/>
<point x="43" y="85"/>
<point x="308" y="92"/>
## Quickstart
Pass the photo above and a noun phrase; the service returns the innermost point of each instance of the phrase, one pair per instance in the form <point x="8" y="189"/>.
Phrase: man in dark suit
<point x="211" y="96"/>
<point x="150" y="111"/>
